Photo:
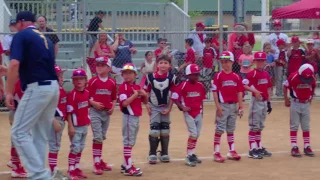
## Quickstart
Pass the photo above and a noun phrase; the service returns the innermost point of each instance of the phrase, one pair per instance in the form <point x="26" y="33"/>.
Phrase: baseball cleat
<point x="152" y="159"/>
<point x="123" y="168"/>
<point x="190" y="161"/>
<point x="295" y="152"/>
<point x="132" y="171"/>
<point x="19" y="173"/>
<point x="58" y="175"/>
<point x="263" y="152"/>
<point x="104" y="166"/>
<point x="233" y="155"/>
<point x="254" y="154"/>
<point x="165" y="158"/>
<point x="196" y="159"/>
<point x="80" y="174"/>
<point x="73" y="175"/>
<point x="97" y="169"/>
<point x="308" y="151"/>
<point x="218" y="158"/>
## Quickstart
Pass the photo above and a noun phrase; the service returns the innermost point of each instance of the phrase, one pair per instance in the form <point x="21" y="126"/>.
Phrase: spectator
<point x="42" y="27"/>
<point x="190" y="57"/>
<point x="94" y="26"/>
<point x="216" y="43"/>
<point x="246" y="61"/>
<point x="209" y="58"/>
<point x="163" y="49"/>
<point x="270" y="64"/>
<point x="7" y="39"/>
<point x="312" y="56"/>
<point x="281" y="61"/>
<point x="123" y="50"/>
<point x="238" y="43"/>
<point x="250" y="36"/>
<point x="198" y="38"/>
<point x="101" y="49"/>
<point x="274" y="37"/>
<point x="296" y="55"/>
<point x="316" y="39"/>
<point x="232" y="37"/>
<point x="148" y="66"/>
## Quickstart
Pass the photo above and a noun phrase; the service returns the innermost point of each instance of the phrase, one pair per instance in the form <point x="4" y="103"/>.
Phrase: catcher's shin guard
<point x="164" y="144"/>
<point x="153" y="141"/>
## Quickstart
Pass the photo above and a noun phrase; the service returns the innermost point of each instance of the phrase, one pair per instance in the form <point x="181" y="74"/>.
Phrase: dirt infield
<point x="275" y="137"/>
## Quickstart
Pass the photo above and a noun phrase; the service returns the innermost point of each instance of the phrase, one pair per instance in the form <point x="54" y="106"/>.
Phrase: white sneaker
<point x="11" y="165"/>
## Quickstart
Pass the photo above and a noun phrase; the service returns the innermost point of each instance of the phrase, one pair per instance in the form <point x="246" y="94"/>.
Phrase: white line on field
<point x="87" y="167"/>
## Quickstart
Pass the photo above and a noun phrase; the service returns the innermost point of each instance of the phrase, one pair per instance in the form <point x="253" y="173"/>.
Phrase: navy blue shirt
<point x="35" y="53"/>
<point x="123" y="55"/>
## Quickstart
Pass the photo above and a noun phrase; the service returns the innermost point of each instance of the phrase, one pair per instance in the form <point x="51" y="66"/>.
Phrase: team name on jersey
<point x="263" y="81"/>
<point x="229" y="83"/>
<point x="103" y="91"/>
<point x="63" y="100"/>
<point x="193" y="94"/>
<point x="303" y="86"/>
<point x="83" y="104"/>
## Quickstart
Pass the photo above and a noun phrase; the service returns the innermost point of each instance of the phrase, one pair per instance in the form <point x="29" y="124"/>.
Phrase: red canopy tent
<point x="304" y="9"/>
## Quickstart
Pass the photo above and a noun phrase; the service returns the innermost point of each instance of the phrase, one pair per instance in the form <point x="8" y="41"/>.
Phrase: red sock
<point x="293" y="138"/>
<point x="52" y="159"/>
<point x="14" y="157"/>
<point x="96" y="151"/>
<point x="216" y="143"/>
<point x="258" y="140"/>
<point x="252" y="140"/>
<point x="191" y="146"/>
<point x="230" y="138"/>
<point x="127" y="156"/>
<point x="77" y="165"/>
<point x="306" y="139"/>
<point x="72" y="161"/>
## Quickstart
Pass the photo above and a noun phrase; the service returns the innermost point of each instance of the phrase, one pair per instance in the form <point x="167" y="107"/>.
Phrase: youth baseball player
<point x="227" y="91"/>
<point x="56" y="131"/>
<point x="32" y="61"/>
<point x="130" y="97"/>
<point x="159" y="85"/>
<point x="301" y="85"/>
<point x="258" y="82"/>
<point x="103" y="96"/>
<point x="189" y="97"/>
<point x="78" y="122"/>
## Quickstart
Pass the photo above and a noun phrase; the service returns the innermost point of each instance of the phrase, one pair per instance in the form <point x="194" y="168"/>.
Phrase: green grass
<point x="257" y="46"/>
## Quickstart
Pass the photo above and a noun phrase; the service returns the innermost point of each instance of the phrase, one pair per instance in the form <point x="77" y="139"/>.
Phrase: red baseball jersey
<point x="295" y="60"/>
<point x="157" y="53"/>
<point x="78" y="107"/>
<point x="103" y="91"/>
<point x="61" y="110"/>
<point x="227" y="86"/>
<point x="190" y="95"/>
<point x="208" y="56"/>
<point x="298" y="89"/>
<point x="282" y="58"/>
<point x="190" y="56"/>
<point x="260" y="80"/>
<point x="241" y="41"/>
<point x="125" y="91"/>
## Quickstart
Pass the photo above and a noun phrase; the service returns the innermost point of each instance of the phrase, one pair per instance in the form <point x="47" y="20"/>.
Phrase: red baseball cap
<point x="306" y="72"/>
<point x="281" y="42"/>
<point x="104" y="60"/>
<point x="295" y="39"/>
<point x="58" y="69"/>
<point x="227" y="55"/>
<point x="79" y="73"/>
<point x="192" y="69"/>
<point x="200" y="24"/>
<point x="260" y="55"/>
<point x="277" y="23"/>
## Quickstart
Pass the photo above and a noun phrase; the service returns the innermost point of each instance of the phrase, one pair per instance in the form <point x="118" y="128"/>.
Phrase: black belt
<point x="44" y="83"/>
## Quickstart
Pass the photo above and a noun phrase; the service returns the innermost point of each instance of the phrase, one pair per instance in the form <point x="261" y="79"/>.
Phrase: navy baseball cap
<point x="13" y="21"/>
<point x="26" y="16"/>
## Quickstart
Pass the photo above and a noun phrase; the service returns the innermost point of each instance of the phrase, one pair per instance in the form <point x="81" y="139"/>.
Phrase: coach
<point x="32" y="60"/>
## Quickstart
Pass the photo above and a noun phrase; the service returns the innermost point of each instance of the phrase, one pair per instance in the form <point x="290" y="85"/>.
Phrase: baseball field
<point x="275" y="138"/>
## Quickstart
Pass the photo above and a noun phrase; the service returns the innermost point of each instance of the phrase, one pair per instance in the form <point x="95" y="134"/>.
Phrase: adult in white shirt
<point x="274" y="37"/>
<point x="7" y="39"/>
<point x="198" y="39"/>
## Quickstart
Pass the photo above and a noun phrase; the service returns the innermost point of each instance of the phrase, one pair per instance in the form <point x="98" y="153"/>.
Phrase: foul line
<point x="86" y="167"/>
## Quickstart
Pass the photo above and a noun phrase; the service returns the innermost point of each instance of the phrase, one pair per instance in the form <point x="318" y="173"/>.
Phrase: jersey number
<point x="43" y="37"/>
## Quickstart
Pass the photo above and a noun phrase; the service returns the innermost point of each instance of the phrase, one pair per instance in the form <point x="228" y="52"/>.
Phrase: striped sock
<point x="14" y="157"/>
<point x="293" y="138"/>
<point x="191" y="146"/>
<point x="127" y="162"/>
<point x="258" y="140"/>
<point x="306" y="138"/>
<point x="216" y="143"/>
<point x="72" y="161"/>
<point x="52" y="159"/>
<point x="252" y="140"/>
<point x="230" y="138"/>
<point x="77" y="165"/>
<point x="96" y="151"/>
